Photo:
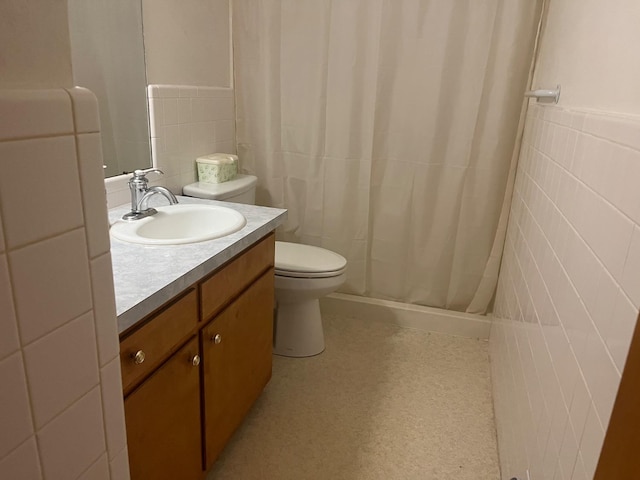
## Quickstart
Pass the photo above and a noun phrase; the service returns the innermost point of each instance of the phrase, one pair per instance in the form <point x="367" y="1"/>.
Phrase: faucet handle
<point x="143" y="173"/>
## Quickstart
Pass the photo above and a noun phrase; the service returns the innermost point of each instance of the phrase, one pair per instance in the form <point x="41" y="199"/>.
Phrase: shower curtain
<point x="387" y="128"/>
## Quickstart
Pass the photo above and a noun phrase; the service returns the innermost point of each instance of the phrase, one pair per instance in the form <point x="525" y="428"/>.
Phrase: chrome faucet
<point x="140" y="193"/>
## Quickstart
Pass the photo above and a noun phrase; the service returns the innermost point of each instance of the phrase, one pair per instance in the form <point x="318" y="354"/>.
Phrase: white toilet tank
<point x="242" y="189"/>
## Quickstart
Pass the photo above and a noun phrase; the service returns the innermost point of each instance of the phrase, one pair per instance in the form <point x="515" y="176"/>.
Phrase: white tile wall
<point x="61" y="417"/>
<point x="49" y="167"/>
<point x="186" y="122"/>
<point x="568" y="294"/>
<point x="119" y="466"/>
<point x="85" y="114"/>
<point x="65" y="456"/>
<point x="15" y="416"/>
<point x="9" y="342"/>
<point x="113" y="407"/>
<point x="25" y="119"/>
<point x="97" y="471"/>
<point x="55" y="380"/>
<point x="104" y="308"/>
<point x="95" y="209"/>
<point x="22" y="463"/>
<point x="2" y="247"/>
<point x="36" y="268"/>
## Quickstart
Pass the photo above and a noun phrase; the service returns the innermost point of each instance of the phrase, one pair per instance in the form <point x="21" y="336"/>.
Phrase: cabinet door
<point x="163" y="421"/>
<point x="236" y="351"/>
<point x="158" y="338"/>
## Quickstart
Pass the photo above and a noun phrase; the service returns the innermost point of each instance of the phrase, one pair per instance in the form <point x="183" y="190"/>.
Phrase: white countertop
<point x="147" y="276"/>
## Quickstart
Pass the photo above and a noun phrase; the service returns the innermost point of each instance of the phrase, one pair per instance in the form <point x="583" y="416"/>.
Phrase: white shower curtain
<point x="387" y="129"/>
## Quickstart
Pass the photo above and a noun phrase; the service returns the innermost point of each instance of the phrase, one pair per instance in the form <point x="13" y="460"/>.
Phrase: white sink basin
<point x="179" y="224"/>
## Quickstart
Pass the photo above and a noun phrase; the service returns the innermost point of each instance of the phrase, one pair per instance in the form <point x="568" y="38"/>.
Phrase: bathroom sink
<point x="179" y="224"/>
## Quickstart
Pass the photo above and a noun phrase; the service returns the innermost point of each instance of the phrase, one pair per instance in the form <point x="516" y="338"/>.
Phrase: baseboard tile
<point x="409" y="316"/>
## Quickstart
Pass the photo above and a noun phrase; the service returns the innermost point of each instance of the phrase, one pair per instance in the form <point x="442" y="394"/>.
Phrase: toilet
<point x="303" y="275"/>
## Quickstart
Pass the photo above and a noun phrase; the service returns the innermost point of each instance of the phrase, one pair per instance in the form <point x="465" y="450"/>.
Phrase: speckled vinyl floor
<point x="382" y="402"/>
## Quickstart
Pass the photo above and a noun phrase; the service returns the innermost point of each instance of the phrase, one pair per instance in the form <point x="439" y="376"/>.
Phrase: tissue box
<point x="217" y="168"/>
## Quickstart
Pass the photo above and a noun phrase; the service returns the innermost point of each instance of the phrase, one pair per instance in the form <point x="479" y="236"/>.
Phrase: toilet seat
<point x="306" y="261"/>
<point x="288" y="273"/>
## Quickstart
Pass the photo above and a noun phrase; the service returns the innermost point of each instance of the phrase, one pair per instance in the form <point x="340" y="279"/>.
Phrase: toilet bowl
<point x="303" y="275"/>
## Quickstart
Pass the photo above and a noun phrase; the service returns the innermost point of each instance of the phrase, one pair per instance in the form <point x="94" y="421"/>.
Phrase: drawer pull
<point x="138" y="357"/>
<point x="195" y="361"/>
<point x="217" y="338"/>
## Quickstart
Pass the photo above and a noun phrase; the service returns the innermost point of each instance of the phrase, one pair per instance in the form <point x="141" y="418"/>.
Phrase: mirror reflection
<point x="108" y="58"/>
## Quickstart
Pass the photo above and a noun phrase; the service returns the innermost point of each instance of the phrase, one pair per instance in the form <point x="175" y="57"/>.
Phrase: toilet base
<point x="298" y="329"/>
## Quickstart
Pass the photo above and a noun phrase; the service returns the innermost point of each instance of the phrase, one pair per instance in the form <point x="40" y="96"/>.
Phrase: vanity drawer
<point x="228" y="282"/>
<point x="146" y="348"/>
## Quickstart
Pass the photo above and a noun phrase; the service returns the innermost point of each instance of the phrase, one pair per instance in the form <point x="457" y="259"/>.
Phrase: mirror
<point x="107" y="52"/>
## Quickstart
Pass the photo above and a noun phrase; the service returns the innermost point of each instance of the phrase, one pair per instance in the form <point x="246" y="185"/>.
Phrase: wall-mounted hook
<point x="548" y="95"/>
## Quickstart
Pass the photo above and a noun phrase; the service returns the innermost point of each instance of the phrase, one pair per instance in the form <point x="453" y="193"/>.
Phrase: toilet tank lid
<point x="220" y="191"/>
<point x="295" y="257"/>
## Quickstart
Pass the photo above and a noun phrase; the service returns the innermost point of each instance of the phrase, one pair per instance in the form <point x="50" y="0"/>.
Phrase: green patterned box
<point x="217" y="168"/>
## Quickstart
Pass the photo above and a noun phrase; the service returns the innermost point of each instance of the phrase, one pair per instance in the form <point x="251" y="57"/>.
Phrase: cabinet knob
<point x="217" y="338"/>
<point x="138" y="357"/>
<point x="195" y="361"/>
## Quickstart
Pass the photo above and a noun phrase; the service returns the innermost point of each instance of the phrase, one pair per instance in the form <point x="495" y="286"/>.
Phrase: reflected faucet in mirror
<point x="140" y="193"/>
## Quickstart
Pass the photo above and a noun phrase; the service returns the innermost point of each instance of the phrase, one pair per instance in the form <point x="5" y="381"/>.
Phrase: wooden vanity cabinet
<point x="236" y="357"/>
<point x="192" y="370"/>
